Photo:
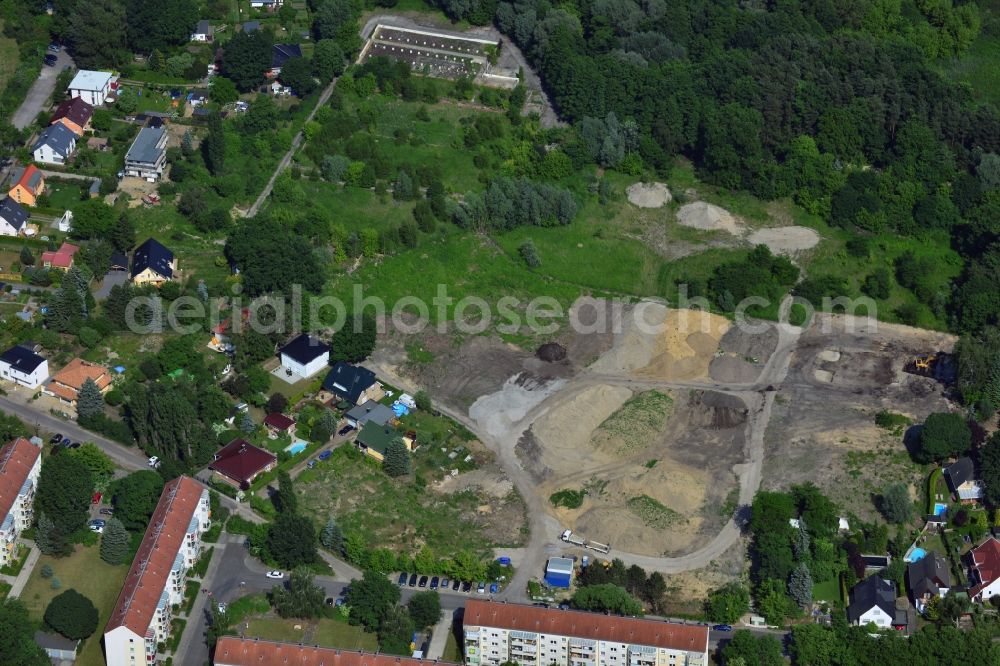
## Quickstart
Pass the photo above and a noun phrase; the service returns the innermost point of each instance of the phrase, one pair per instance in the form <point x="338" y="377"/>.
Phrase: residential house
<point x="928" y="577"/>
<point x="352" y="384"/>
<point x="155" y="582"/>
<point x="984" y="570"/>
<point x="280" y="53"/>
<point x="23" y="366"/>
<point x="92" y="87"/>
<point x="374" y="439"/>
<point x="55" y="145"/>
<point x="61" y="258"/>
<point x="961" y="479"/>
<point x="29" y="184"/>
<point x="152" y="263"/>
<point x="237" y="651"/>
<point x="198" y="98"/>
<point x="873" y="601"/>
<point x="278" y="424"/>
<point x="222" y="333"/>
<point x="66" y="383"/>
<point x="202" y="32"/>
<point x="304" y="356"/>
<point x="369" y="412"/>
<point x="119" y="262"/>
<point x="74" y="114"/>
<point x="57" y="647"/>
<point x="269" y="5"/>
<point x="13" y="218"/>
<point x="496" y="633"/>
<point x="20" y="465"/>
<point x="147" y="156"/>
<point x="251" y="26"/>
<point x="239" y="462"/>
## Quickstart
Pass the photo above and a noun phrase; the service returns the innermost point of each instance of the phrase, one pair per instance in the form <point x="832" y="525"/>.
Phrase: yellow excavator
<point x="926" y="365"/>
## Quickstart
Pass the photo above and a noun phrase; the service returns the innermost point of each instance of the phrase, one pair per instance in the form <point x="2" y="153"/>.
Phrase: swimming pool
<point x="916" y="555"/>
<point x="939" y="508"/>
<point x="298" y="446"/>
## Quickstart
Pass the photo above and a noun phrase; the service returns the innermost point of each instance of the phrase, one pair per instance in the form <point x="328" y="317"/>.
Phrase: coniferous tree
<point x="397" y="459"/>
<point x="332" y="537"/>
<point x="800" y="585"/>
<point x="115" y="542"/>
<point x="215" y="145"/>
<point x="89" y="401"/>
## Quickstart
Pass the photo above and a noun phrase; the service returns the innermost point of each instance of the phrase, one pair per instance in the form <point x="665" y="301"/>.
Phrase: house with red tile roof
<point x="61" y="258"/>
<point x="20" y="465"/>
<point x="496" y="633"/>
<point x="279" y="424"/>
<point x="984" y="570"/>
<point x="155" y="581"/>
<point x="29" y="184"/>
<point x="235" y="651"/>
<point x="239" y="462"/>
<point x="66" y="383"/>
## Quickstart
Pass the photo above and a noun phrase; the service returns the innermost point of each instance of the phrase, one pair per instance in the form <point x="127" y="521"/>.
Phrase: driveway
<point x="37" y="99"/>
<point x="112" y="279"/>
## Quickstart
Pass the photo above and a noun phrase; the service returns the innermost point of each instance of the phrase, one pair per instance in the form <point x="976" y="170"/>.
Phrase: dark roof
<point x="48" y="641"/>
<point x="871" y="592"/>
<point x="875" y="560"/>
<point x="251" y="26"/>
<point x="348" y="381"/>
<point x="59" y="137"/>
<point x="153" y="255"/>
<point x="278" y="421"/>
<point x="959" y="472"/>
<point x="119" y="261"/>
<point x="282" y="52"/>
<point x="22" y="359"/>
<point x="375" y="412"/>
<point x="377" y="437"/>
<point x="305" y="349"/>
<point x="13" y="213"/>
<point x="146" y="148"/>
<point x="241" y="461"/>
<point x="202" y="27"/>
<point x="928" y="574"/>
<point x="74" y="109"/>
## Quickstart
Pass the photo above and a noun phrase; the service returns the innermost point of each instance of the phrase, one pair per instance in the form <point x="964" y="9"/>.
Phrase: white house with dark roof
<point x="961" y="479"/>
<point x="147" y="156"/>
<point x="92" y="86"/>
<point x="270" y="5"/>
<point x="873" y="601"/>
<point x="13" y="217"/>
<point x="23" y="366"/>
<point x="55" y="145"/>
<point x="202" y="32"/>
<point x="152" y="263"/>
<point x="304" y="356"/>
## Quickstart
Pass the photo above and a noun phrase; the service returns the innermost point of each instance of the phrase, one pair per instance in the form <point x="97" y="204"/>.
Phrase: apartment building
<point x="147" y="156"/>
<point x="532" y="636"/>
<point x="234" y="651"/>
<point x="20" y="464"/>
<point x="155" y="582"/>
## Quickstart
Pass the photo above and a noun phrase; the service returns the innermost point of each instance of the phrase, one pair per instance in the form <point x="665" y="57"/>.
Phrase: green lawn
<point x="325" y="632"/>
<point x="65" y="195"/>
<point x="828" y="591"/>
<point x="9" y="58"/>
<point x="89" y="575"/>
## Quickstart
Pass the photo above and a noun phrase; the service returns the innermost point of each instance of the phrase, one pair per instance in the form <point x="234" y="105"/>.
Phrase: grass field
<point x="635" y="423"/>
<point x="828" y="591"/>
<point x="979" y="67"/>
<point x="9" y="58"/>
<point x="89" y="575"/>
<point x="324" y="632"/>
<point x="652" y="512"/>
<point x="65" y="194"/>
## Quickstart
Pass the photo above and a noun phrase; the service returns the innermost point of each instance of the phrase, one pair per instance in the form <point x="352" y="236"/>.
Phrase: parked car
<point x="154" y="461"/>
<point x="444" y="583"/>
<point x="329" y="601"/>
<point x="504" y="561"/>
<point x="96" y="499"/>
<point x="74" y="445"/>
<point x="222" y="607"/>
<point x="67" y="442"/>
<point x="456" y="585"/>
<point x="312" y="463"/>
<point x="51" y="59"/>
<point x="494" y="588"/>
<point x="325" y="455"/>
<point x="339" y="601"/>
<point x="55" y="48"/>
<point x="346" y="429"/>
<point x="107" y="512"/>
<point x="276" y="575"/>
<point x="466" y="586"/>
<point x="413" y="580"/>
<point x="722" y="627"/>
<point x="56" y="438"/>
<point x="402" y="579"/>
<point x="481" y="587"/>
<point x="434" y="582"/>
<point x="423" y="582"/>
<point x="100" y="522"/>
<point x="98" y="529"/>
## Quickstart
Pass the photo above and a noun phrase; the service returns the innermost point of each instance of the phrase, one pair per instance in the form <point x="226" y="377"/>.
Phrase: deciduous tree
<point x="291" y="540"/>
<point x="72" y="615"/>
<point x="302" y="599"/>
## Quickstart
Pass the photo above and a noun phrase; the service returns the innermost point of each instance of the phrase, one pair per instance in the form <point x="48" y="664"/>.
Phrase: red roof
<point x="986" y="561"/>
<point x="26" y="177"/>
<point x="278" y="421"/>
<point x="75" y="110"/>
<point x="241" y="461"/>
<point x="62" y="258"/>
<point x="148" y="574"/>
<point x="16" y="460"/>
<point x="233" y="651"/>
<point x="593" y="626"/>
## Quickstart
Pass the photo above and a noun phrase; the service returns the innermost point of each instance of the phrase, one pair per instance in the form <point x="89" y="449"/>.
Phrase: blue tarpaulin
<point x="399" y="409"/>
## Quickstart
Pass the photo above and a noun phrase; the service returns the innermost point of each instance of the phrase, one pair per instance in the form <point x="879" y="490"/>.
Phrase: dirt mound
<point x="551" y="352"/>
<point x="648" y="195"/>
<point x="785" y="240"/>
<point x="564" y="431"/>
<point x="498" y="412"/>
<point x="709" y="217"/>
<point x="721" y="410"/>
<point x="733" y="370"/>
<point x="754" y="345"/>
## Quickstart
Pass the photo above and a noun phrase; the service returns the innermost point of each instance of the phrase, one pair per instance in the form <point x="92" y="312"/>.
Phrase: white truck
<point x="568" y="537"/>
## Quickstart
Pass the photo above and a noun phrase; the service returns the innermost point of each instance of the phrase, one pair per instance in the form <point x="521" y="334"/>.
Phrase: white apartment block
<point x="531" y="636"/>
<point x="20" y="465"/>
<point x="155" y="582"/>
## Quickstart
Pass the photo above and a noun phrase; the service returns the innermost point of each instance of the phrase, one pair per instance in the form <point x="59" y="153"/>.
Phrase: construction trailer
<point x="559" y="572"/>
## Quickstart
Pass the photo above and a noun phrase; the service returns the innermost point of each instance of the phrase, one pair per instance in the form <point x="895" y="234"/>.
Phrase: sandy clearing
<point x="564" y="432"/>
<point x="497" y="412"/>
<point x="709" y="217"/>
<point x="785" y="240"/>
<point x="648" y="195"/>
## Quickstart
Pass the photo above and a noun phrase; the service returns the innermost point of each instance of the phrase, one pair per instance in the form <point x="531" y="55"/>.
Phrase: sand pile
<point x="733" y="370"/>
<point x="498" y="412"/>
<point x="709" y="217"/>
<point x="648" y="195"/>
<point x="785" y="240"/>
<point x="564" y="431"/>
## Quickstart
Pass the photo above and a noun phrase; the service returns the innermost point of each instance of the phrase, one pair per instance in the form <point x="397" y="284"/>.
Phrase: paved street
<point x="40" y="92"/>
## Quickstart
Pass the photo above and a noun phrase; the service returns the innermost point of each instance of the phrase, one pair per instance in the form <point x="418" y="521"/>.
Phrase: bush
<point x="529" y="254"/>
<point x="72" y="615"/>
<point x="570" y="499"/>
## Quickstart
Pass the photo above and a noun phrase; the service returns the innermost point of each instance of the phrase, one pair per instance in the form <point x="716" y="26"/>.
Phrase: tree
<point x="895" y="504"/>
<point x="761" y="650"/>
<point x="135" y="497"/>
<point x="425" y="609"/>
<point x="328" y="59"/>
<point x="89" y="401"/>
<point x="303" y="598"/>
<point x="27" y="258"/>
<point x="529" y="254"/>
<point x="159" y="24"/>
<point x="332" y="537"/>
<point x="277" y="403"/>
<point x="72" y="615"/>
<point x="65" y="486"/>
<point x="271" y="259"/>
<point x="371" y="599"/>
<point x="97" y="33"/>
<point x="291" y="540"/>
<point x="222" y="91"/>
<point x="773" y="602"/>
<point x="397" y="459"/>
<point x="606" y="597"/>
<point x="422" y="400"/>
<point x="17" y="636"/>
<point x="335" y="19"/>
<point x="214" y="147"/>
<point x="101" y="467"/>
<point x="115" y="542"/>
<point x="989" y="466"/>
<point x="800" y="585"/>
<point x="395" y="632"/>
<point x="355" y="340"/>
<point x="943" y="435"/>
<point x="246" y="58"/>
<point x="284" y="497"/>
<point x="727" y="604"/>
<point x="296" y="73"/>
<point x="50" y="539"/>
<point x="93" y="219"/>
